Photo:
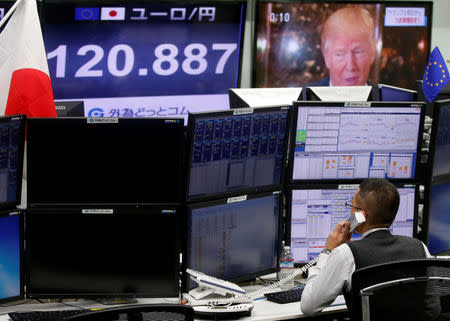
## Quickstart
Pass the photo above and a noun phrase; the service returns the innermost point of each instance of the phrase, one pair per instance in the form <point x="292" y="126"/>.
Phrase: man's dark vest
<point x="382" y="247"/>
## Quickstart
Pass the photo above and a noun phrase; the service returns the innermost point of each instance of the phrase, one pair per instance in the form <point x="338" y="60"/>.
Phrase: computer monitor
<point x="340" y="93"/>
<point x="236" y="238"/>
<point x="144" y="58"/>
<point x="392" y="93"/>
<point x="355" y="140"/>
<point x="437" y="203"/>
<point x="103" y="252"/>
<point x="260" y="97"/>
<point x="12" y="140"/>
<point x="236" y="150"/>
<point x="288" y="44"/>
<point x="11" y="245"/>
<point x="122" y="161"/>
<point x="314" y="211"/>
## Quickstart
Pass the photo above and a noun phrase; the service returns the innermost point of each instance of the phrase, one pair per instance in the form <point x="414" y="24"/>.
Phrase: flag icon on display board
<point x="87" y="13"/>
<point x="117" y="13"/>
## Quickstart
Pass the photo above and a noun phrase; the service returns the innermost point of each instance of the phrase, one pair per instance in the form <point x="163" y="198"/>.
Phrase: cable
<point x="261" y="291"/>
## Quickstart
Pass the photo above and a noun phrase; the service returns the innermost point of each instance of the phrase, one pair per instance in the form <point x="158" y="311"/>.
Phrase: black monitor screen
<point x="105" y="160"/>
<point x="235" y="239"/>
<point x="440" y="148"/>
<point x="241" y="149"/>
<point x="335" y="141"/>
<point x="103" y="252"/>
<point x="315" y="212"/>
<point x="438" y="218"/>
<point x="295" y="46"/>
<point x="391" y="93"/>
<point x="10" y="256"/>
<point x="144" y="58"/>
<point x="12" y="138"/>
<point x="438" y="237"/>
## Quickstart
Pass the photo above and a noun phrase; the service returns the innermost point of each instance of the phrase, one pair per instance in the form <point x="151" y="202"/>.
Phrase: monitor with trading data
<point x="355" y="140"/>
<point x="236" y="238"/>
<point x="11" y="243"/>
<point x="127" y="161"/>
<point x="144" y="58"/>
<point x="236" y="150"/>
<point x="103" y="252"/>
<point x="314" y="212"/>
<point x="12" y="140"/>
<point x="437" y="220"/>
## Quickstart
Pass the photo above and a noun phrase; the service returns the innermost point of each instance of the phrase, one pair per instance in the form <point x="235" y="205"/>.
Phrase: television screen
<point x="235" y="238"/>
<point x="144" y="59"/>
<point x="10" y="255"/>
<point x="337" y="140"/>
<point x="12" y="140"/>
<point x="128" y="161"/>
<point x="101" y="253"/>
<point x="314" y="212"/>
<point x="236" y="150"/>
<point x="310" y="42"/>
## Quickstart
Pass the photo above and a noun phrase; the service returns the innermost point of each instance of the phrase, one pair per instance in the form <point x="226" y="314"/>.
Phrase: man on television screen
<point x="348" y="47"/>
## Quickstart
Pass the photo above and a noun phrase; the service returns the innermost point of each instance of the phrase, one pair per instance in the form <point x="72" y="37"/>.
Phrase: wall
<point x="440" y="35"/>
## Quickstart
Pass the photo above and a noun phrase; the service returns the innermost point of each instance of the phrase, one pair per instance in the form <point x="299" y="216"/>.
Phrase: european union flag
<point x="436" y="75"/>
<point x="87" y="13"/>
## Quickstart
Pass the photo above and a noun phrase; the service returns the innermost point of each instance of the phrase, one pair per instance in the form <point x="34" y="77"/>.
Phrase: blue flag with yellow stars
<point x="436" y="75"/>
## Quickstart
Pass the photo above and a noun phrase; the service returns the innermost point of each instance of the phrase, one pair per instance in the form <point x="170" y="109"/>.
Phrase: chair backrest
<point x="404" y="290"/>
<point x="144" y="312"/>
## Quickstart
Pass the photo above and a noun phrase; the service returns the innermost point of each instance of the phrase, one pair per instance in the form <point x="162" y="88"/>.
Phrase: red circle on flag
<point x="113" y="13"/>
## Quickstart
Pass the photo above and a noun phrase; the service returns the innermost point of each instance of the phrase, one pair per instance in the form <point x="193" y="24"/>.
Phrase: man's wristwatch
<point x="326" y="251"/>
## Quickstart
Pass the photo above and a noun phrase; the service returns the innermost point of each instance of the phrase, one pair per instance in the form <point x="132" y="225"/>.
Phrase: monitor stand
<point x="112" y="301"/>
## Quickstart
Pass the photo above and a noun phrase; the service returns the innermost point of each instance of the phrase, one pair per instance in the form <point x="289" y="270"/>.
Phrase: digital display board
<point x="147" y="59"/>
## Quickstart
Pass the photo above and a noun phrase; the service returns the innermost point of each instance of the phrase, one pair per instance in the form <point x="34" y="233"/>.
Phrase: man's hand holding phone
<point x="340" y="235"/>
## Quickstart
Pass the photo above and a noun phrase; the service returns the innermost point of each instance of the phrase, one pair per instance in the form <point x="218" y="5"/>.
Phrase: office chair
<point x="409" y="290"/>
<point x="144" y="312"/>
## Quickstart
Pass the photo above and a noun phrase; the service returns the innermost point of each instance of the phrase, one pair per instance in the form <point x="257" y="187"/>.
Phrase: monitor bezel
<point x="364" y="104"/>
<point x="223" y="201"/>
<point x="176" y="123"/>
<point x="345" y="186"/>
<point x="147" y="210"/>
<point x="238" y="112"/>
<point x="23" y="120"/>
<point x="398" y="3"/>
<point x="21" y="295"/>
<point x="429" y="178"/>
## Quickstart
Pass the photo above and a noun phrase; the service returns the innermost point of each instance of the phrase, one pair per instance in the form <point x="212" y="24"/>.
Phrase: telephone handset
<point x="355" y="220"/>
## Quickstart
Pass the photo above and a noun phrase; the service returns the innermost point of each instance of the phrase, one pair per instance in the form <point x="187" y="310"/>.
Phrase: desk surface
<point x="263" y="310"/>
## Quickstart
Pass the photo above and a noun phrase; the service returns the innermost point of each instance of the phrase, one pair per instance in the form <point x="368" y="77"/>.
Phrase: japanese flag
<point x="109" y="13"/>
<point x="25" y="86"/>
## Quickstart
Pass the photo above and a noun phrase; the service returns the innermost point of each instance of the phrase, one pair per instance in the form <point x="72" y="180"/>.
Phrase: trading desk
<point x="263" y="310"/>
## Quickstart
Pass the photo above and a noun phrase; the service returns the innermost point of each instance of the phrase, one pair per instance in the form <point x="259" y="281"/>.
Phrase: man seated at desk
<point x="378" y="200"/>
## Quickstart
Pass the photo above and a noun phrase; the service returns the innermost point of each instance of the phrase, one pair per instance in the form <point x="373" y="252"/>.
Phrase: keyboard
<point x="286" y="296"/>
<point x="54" y="315"/>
